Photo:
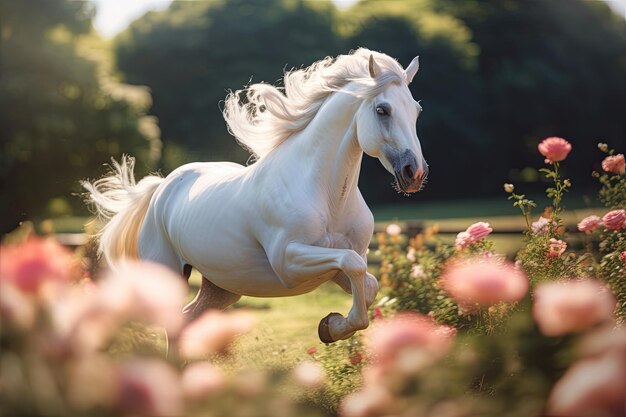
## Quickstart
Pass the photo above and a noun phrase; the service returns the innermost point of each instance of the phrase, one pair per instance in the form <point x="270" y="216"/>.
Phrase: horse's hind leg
<point x="210" y="296"/>
<point x="371" y="286"/>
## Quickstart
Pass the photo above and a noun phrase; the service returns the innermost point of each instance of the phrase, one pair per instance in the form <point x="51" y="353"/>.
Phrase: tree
<point x="192" y="53"/>
<point x="549" y="67"/>
<point x="64" y="118"/>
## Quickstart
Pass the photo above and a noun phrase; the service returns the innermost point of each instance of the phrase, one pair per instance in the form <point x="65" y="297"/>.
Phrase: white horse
<point x="295" y="218"/>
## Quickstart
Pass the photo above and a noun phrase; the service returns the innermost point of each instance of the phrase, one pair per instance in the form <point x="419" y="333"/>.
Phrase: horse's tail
<point x="122" y="204"/>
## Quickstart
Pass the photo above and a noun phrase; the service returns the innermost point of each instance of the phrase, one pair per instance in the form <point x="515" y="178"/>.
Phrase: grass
<point x="285" y="327"/>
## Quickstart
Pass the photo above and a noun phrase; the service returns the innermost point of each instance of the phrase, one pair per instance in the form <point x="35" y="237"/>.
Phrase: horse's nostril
<point x="408" y="172"/>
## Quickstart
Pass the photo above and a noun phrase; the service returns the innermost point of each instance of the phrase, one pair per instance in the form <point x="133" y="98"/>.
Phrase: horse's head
<point x="386" y="127"/>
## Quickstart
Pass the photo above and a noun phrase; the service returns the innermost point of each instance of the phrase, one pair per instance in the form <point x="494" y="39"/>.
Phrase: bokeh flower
<point x="595" y="384"/>
<point x="212" y="332"/>
<point x="34" y="262"/>
<point x="16" y="307"/>
<point x="407" y="341"/>
<point x="373" y="400"/>
<point x="563" y="307"/>
<point x="393" y="229"/>
<point x="309" y="374"/>
<point x="614" y="220"/>
<point x="149" y="387"/>
<point x="509" y="188"/>
<point x="484" y="281"/>
<point x="145" y="291"/>
<point x="556" y="247"/>
<point x="622" y="257"/>
<point x="83" y="392"/>
<point x="201" y="379"/>
<point x="417" y="272"/>
<point x="555" y="149"/>
<point x="614" y="164"/>
<point x="589" y="224"/>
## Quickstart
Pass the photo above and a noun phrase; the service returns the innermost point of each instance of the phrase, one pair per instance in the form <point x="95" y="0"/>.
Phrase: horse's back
<point x="178" y="206"/>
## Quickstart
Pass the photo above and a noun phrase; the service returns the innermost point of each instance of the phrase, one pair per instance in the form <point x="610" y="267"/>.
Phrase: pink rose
<point x="37" y="261"/>
<point x="149" y="387"/>
<point x="614" y="220"/>
<point x="478" y="231"/>
<point x="201" y="379"/>
<point x="554" y="149"/>
<point x="485" y="281"/>
<point x="462" y="240"/>
<point x="596" y="384"/>
<point x="614" y="164"/>
<point x="212" y="332"/>
<point x="474" y="234"/>
<point x="309" y="374"/>
<point x="145" y="291"/>
<point x="390" y="337"/>
<point x="589" y="224"/>
<point x="541" y="226"/>
<point x="556" y="248"/>
<point x="570" y="306"/>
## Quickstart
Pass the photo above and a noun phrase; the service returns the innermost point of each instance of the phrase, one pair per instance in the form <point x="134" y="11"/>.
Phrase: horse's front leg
<point x="303" y="262"/>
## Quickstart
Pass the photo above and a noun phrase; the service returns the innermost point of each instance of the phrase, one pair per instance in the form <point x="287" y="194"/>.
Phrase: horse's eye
<point x="382" y="111"/>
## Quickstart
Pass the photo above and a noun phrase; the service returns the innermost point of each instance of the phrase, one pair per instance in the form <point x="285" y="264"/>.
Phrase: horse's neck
<point x="330" y="146"/>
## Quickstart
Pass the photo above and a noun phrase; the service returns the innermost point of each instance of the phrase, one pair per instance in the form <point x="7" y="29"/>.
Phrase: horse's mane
<point x="262" y="116"/>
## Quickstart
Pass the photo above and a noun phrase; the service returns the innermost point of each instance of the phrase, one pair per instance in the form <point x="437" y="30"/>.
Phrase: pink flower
<point x="589" y="224"/>
<point x="309" y="374"/>
<point x="595" y="385"/>
<point x="475" y="233"/>
<point x="541" y="226"/>
<point x="36" y="261"/>
<point x="145" y="291"/>
<point x="614" y="164"/>
<point x="407" y="331"/>
<point x="312" y="350"/>
<point x="614" y="220"/>
<point x="570" y="306"/>
<point x="83" y="392"/>
<point x="485" y="281"/>
<point x="554" y="149"/>
<point x="201" y="379"/>
<point x="622" y="257"/>
<point x="462" y="240"/>
<point x="373" y="400"/>
<point x="212" y="332"/>
<point x="393" y="229"/>
<point x="378" y="314"/>
<point x="149" y="387"/>
<point x="478" y="231"/>
<point x="16" y="307"/>
<point x="556" y="248"/>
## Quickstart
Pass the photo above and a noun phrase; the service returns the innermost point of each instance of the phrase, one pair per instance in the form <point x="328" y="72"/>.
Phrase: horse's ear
<point x="373" y="67"/>
<point x="411" y="70"/>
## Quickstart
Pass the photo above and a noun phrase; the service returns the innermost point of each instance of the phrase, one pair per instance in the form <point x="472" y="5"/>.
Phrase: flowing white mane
<point x="262" y="116"/>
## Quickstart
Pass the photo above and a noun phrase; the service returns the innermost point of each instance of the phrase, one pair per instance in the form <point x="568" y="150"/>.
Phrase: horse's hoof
<point x="323" y="331"/>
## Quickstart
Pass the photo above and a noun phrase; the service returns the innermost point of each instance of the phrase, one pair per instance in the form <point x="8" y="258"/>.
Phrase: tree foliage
<point x="62" y="116"/>
<point x="496" y="76"/>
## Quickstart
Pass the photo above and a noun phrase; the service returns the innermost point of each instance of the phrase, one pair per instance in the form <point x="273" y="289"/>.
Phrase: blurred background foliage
<point x="496" y="77"/>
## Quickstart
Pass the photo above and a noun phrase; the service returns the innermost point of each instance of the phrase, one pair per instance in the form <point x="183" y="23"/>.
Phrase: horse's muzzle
<point x="410" y="175"/>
